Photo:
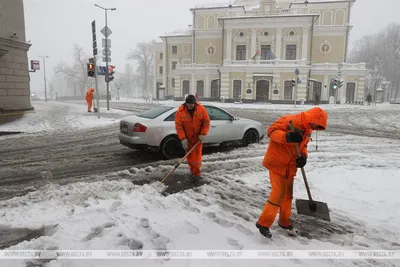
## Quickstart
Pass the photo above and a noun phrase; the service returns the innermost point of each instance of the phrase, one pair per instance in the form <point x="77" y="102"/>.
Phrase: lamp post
<point x="106" y="54"/>
<point x="44" y="76"/>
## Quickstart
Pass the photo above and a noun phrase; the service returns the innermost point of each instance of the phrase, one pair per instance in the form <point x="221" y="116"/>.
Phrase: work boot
<point x="195" y="178"/>
<point x="291" y="230"/>
<point x="264" y="230"/>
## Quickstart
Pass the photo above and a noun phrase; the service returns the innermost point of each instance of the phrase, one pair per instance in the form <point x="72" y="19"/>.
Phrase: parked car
<point x="155" y="128"/>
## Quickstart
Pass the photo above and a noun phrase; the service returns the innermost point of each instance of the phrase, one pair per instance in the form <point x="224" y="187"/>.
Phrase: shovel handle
<point x="181" y="160"/>
<point x="312" y="203"/>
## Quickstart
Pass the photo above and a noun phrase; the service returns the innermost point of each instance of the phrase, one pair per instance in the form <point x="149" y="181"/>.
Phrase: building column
<point x="325" y="89"/>
<point x="253" y="42"/>
<point x="229" y="44"/>
<point x="178" y="90"/>
<point x="165" y="51"/>
<point x="192" y="89"/>
<point x="305" y="44"/>
<point x="278" y="52"/>
<point x="360" y="89"/>
<point x="207" y="91"/>
<point x="225" y="88"/>
<point x="249" y="83"/>
<point x="276" y="81"/>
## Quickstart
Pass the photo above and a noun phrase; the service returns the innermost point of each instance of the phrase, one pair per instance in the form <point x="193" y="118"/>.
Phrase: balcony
<point x="334" y="67"/>
<point x="196" y="69"/>
<point x="276" y="62"/>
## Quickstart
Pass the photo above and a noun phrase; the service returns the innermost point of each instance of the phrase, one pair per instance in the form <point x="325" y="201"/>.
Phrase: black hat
<point x="190" y="99"/>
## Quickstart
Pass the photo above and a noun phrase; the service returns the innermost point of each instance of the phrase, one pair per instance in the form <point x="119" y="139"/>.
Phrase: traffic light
<point x="335" y="83"/>
<point x="90" y="69"/>
<point x="341" y="84"/>
<point x="111" y="73"/>
<point x="293" y="82"/>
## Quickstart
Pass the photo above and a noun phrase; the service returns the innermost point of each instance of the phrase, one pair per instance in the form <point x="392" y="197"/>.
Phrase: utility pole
<point x="107" y="32"/>
<point x="97" y="90"/>
<point x="297" y="72"/>
<point x="44" y="76"/>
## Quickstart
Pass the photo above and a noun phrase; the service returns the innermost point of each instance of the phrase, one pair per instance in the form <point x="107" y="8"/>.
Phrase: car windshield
<point x="154" y="112"/>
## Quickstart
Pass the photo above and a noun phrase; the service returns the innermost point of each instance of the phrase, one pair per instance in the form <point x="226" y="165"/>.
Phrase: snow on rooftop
<point x="180" y="32"/>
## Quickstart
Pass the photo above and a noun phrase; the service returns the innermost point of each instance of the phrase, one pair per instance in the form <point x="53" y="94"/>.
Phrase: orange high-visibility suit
<point x="190" y="128"/>
<point x="280" y="160"/>
<point x="89" y="98"/>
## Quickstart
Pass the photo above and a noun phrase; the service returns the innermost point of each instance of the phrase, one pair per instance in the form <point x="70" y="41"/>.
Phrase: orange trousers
<point x="89" y="105"/>
<point x="194" y="159"/>
<point x="280" y="198"/>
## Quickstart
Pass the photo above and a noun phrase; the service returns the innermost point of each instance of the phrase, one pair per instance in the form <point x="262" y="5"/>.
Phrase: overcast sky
<point x="53" y="26"/>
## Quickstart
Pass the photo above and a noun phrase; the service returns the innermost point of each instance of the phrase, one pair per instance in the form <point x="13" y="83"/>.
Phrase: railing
<point x="266" y="62"/>
<point x="196" y="66"/>
<point x="346" y="66"/>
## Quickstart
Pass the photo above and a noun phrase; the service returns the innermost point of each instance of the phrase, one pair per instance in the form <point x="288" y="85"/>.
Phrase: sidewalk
<point x="57" y="116"/>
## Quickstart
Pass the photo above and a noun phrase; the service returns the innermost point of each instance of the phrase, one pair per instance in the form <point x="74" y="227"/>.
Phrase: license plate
<point x="124" y="128"/>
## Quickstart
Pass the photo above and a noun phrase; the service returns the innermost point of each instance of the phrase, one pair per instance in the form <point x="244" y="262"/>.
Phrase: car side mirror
<point x="232" y="118"/>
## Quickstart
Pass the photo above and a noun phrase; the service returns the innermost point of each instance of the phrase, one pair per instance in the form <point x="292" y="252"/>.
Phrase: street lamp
<point x="106" y="54"/>
<point x="44" y="75"/>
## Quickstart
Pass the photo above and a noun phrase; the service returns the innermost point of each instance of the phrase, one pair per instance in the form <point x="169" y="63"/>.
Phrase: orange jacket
<point x="189" y="127"/>
<point x="89" y="94"/>
<point x="281" y="156"/>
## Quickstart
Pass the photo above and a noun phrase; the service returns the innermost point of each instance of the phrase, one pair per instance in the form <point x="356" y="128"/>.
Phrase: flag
<point x="271" y="55"/>
<point x="256" y="54"/>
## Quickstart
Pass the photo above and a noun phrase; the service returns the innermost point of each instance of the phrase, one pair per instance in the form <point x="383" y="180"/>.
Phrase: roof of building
<point x="179" y="33"/>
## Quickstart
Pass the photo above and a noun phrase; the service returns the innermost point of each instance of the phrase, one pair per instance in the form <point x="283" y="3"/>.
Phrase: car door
<point x="171" y="118"/>
<point x="224" y="128"/>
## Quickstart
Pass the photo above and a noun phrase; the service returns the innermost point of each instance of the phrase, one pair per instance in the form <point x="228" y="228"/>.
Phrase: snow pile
<point x="61" y="116"/>
<point x="357" y="177"/>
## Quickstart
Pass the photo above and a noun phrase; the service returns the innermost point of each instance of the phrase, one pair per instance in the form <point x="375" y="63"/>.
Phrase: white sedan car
<point x="155" y="128"/>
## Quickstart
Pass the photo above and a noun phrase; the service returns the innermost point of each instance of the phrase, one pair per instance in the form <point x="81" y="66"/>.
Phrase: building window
<point x="214" y="89"/>
<point x="173" y="83"/>
<point x="185" y="87"/>
<point x="160" y="70"/>
<point x="173" y="65"/>
<point x="237" y="88"/>
<point x="291" y="52"/>
<point x="241" y="52"/>
<point x="200" y="88"/>
<point x="265" y="52"/>
<point x="288" y="91"/>
<point x="161" y="55"/>
<point x="174" y="49"/>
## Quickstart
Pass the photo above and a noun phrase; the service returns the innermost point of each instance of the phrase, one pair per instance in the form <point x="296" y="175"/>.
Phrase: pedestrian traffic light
<point x="90" y="69"/>
<point x="111" y="73"/>
<point x="293" y="82"/>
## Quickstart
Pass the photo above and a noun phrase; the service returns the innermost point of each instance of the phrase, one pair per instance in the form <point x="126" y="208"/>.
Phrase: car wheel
<point x="171" y="147"/>
<point x="250" y="137"/>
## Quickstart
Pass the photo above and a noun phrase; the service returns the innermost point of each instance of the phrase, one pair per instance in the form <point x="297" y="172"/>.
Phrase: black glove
<point x="301" y="162"/>
<point x="293" y="137"/>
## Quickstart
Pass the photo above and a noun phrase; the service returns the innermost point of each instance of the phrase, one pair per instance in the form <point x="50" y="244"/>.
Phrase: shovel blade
<point x="322" y="211"/>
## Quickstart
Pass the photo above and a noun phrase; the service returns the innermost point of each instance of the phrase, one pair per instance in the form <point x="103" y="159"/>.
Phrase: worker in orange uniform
<point x="192" y="124"/>
<point x="89" y="98"/>
<point x="282" y="162"/>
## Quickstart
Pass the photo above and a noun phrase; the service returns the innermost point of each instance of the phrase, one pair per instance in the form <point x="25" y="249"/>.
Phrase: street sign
<point x="106" y="31"/>
<point x="297" y="71"/>
<point x="106" y="52"/>
<point x="104" y="42"/>
<point x="94" y="37"/>
<point x="35" y="64"/>
<point x="101" y="70"/>
<point x="106" y="60"/>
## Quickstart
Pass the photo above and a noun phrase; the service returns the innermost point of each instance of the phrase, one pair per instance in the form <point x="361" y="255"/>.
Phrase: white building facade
<point x="251" y="49"/>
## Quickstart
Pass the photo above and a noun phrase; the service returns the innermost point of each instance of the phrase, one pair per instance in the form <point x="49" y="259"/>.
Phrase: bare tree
<point x="381" y="52"/>
<point x="77" y="73"/>
<point x="143" y="55"/>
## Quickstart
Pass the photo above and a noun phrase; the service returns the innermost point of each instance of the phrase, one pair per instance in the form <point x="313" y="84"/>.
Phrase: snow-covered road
<point x="358" y="179"/>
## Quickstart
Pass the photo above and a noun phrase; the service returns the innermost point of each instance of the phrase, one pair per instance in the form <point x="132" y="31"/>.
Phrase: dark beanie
<point x="190" y="99"/>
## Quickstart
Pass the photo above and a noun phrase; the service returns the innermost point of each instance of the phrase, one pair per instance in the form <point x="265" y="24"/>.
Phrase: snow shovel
<point x="310" y="207"/>
<point x="162" y="187"/>
<point x="94" y="106"/>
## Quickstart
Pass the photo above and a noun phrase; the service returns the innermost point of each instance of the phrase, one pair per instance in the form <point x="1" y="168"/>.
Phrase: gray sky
<point x="53" y="26"/>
